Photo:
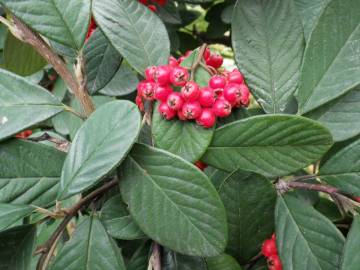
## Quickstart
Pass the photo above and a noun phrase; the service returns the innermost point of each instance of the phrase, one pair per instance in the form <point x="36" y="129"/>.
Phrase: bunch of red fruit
<point x="269" y="250"/>
<point x="179" y="96"/>
<point x="151" y="6"/>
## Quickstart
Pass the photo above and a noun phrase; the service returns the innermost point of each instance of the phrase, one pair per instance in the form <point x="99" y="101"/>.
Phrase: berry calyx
<point x="190" y="91"/>
<point x="148" y="90"/>
<point x="162" y="92"/>
<point x="191" y="110"/>
<point x="217" y="81"/>
<point x="175" y="101"/>
<point x="222" y="107"/>
<point x="207" y="119"/>
<point x="179" y="76"/>
<point x="235" y="76"/>
<point x="206" y="97"/>
<point x="274" y="263"/>
<point x="201" y="165"/>
<point x="166" y="111"/>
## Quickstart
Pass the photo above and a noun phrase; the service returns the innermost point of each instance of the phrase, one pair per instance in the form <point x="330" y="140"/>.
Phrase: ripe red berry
<point x="166" y="111"/>
<point x="235" y="76"/>
<point x="173" y="62"/>
<point x="144" y="2"/>
<point x="207" y="97"/>
<point x="215" y="60"/>
<point x="201" y="165"/>
<point x="161" y="2"/>
<point x="244" y="95"/>
<point x="175" y="101"/>
<point x="24" y="134"/>
<point x="232" y="93"/>
<point x="152" y="8"/>
<point x="162" y="75"/>
<point x="181" y="116"/>
<point x="222" y="107"/>
<point x="150" y="73"/>
<point x="148" y="90"/>
<point x="269" y="248"/>
<point x="207" y="53"/>
<point x="139" y="103"/>
<point x="274" y="262"/>
<point x="162" y="92"/>
<point x="191" y="110"/>
<point x="179" y="76"/>
<point x="217" y="81"/>
<point x="190" y="91"/>
<point x="207" y="118"/>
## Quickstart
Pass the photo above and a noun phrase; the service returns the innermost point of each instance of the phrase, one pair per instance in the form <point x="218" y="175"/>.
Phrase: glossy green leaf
<point x="117" y="220"/>
<point x="340" y="116"/>
<point x="268" y="41"/>
<point x="305" y="238"/>
<point x="140" y="259"/>
<point x="351" y="255"/>
<point x="331" y="65"/>
<point x="342" y="169"/>
<point x="90" y="248"/>
<point x="183" y="138"/>
<point x="29" y="172"/>
<point x="166" y="193"/>
<point x="64" y="21"/>
<point x="175" y="261"/>
<point x="271" y="145"/>
<point x="249" y="201"/>
<point x="11" y="213"/>
<point x="23" y="104"/>
<point x="134" y="30"/>
<point x="101" y="61"/>
<point x="222" y="262"/>
<point x="20" y="57"/>
<point x="16" y="248"/>
<point x="101" y="143"/>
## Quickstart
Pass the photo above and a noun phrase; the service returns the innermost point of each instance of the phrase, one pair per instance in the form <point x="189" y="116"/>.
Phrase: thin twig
<point x="197" y="62"/>
<point x="74" y="112"/>
<point x="48" y="248"/>
<point x="155" y="258"/>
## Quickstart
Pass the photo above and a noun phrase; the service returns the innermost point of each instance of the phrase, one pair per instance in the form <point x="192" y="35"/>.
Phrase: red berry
<point x="217" y="81"/>
<point x="139" y="103"/>
<point x="91" y="29"/>
<point x="201" y="165"/>
<point x="207" y="118"/>
<point x="166" y="111"/>
<point x="191" y="110"/>
<point x="190" y="91"/>
<point x="148" y="90"/>
<point x="24" y="134"/>
<point x="162" y="74"/>
<point x="144" y="2"/>
<point x="140" y="87"/>
<point x="181" y="116"/>
<point x="179" y="76"/>
<point x="222" y="107"/>
<point x="175" y="101"/>
<point x="244" y="95"/>
<point x="235" y="76"/>
<point x="152" y="8"/>
<point x="215" y="60"/>
<point x="161" y="2"/>
<point x="269" y="248"/>
<point x="207" y="97"/>
<point x="232" y="93"/>
<point x="150" y="73"/>
<point x="173" y="62"/>
<point x="162" y="92"/>
<point x="207" y="53"/>
<point x="274" y="262"/>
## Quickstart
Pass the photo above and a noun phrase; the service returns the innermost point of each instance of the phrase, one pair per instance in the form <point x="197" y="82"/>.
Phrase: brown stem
<point x="25" y="34"/>
<point x="155" y="258"/>
<point x="197" y="62"/>
<point x="318" y="187"/>
<point x="48" y="248"/>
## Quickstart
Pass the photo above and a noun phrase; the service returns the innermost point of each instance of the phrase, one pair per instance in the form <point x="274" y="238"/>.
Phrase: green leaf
<point x="29" y="172"/>
<point x="268" y="41"/>
<point x="183" y="138"/>
<point x="202" y="77"/>
<point x="271" y="145"/>
<point x="99" y="146"/>
<point x="134" y="30"/>
<point x="342" y="169"/>
<point x="181" y="198"/>
<point x="222" y="262"/>
<point x="16" y="248"/>
<point x="101" y="61"/>
<point x="351" y="256"/>
<point x="140" y="259"/>
<point x="11" y="213"/>
<point x="331" y="66"/>
<point x="64" y="21"/>
<point x="23" y="104"/>
<point x="305" y="238"/>
<point x="340" y="116"/>
<point x="117" y="220"/>
<point x="90" y="248"/>
<point x="175" y="261"/>
<point x="249" y="201"/>
<point x="20" y="57"/>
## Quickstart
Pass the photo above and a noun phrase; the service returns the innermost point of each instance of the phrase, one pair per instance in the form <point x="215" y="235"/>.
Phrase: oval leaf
<point x="222" y="262"/>
<point x="175" y="261"/>
<point x="186" y="213"/>
<point x="23" y="104"/>
<point x="11" y="213"/>
<point x="331" y="66"/>
<point x="135" y="31"/>
<point x="305" y="238"/>
<point x="64" y="21"/>
<point x="183" y="138"/>
<point x="99" y="146"/>
<point x="351" y="256"/>
<point x="269" y="145"/>
<point x="268" y="41"/>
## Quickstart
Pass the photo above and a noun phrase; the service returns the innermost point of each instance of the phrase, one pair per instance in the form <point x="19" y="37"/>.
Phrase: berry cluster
<point x="179" y="96"/>
<point x="151" y="6"/>
<point x="24" y="134"/>
<point x="269" y="250"/>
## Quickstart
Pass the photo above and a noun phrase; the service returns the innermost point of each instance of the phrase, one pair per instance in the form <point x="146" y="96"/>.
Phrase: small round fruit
<point x="162" y="75"/>
<point x="269" y="248"/>
<point x="181" y="116"/>
<point x="148" y="91"/>
<point x="217" y="81"/>
<point x="162" y="92"/>
<point x="235" y="76"/>
<point x="244" y="95"/>
<point x="222" y="107"/>
<point x="139" y="103"/>
<point x="173" y="62"/>
<point x="215" y="60"/>
<point x="175" y="101"/>
<point x="274" y="262"/>
<point x="150" y="73"/>
<point x="207" y="119"/>
<point x="191" y="110"/>
<point x="179" y="76"/>
<point x="201" y="165"/>
<point x="152" y="8"/>
<point x="190" y="91"/>
<point x="166" y="111"/>
<point x="207" y="53"/>
<point x="232" y="93"/>
<point x="207" y="97"/>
